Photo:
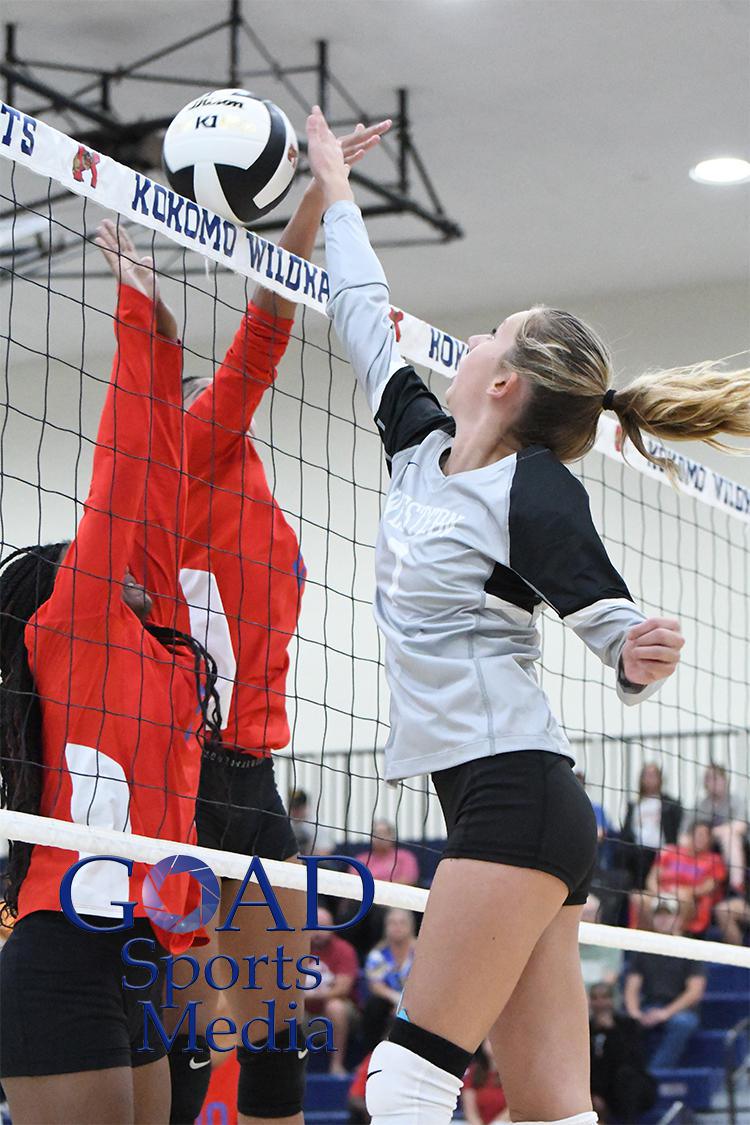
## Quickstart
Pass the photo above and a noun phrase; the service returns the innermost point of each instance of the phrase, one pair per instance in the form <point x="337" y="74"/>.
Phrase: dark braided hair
<point x="27" y="579"/>
<point x="26" y="582"/>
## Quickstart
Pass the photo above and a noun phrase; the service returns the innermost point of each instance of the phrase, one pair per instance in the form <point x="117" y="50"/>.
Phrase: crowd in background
<point x="667" y="869"/>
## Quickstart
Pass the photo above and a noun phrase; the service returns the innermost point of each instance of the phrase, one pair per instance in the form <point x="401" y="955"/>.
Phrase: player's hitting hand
<point x="331" y="157"/>
<point x="129" y="268"/>
<point x="652" y="650"/>
<point x="327" y="161"/>
<point x="357" y="144"/>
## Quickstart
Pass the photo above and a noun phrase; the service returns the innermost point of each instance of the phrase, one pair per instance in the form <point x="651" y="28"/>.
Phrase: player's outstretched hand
<point x="364" y="138"/>
<point x="326" y="157"/>
<point x="652" y="650"/>
<point x="129" y="268"/>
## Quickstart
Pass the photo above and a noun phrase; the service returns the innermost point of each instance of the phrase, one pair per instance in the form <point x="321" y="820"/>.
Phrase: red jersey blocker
<point x="119" y="715"/>
<point x="242" y="578"/>
<point x="119" y="710"/>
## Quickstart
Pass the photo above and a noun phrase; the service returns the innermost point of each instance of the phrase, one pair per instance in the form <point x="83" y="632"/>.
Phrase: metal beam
<point x="127" y="141"/>
<point x="10" y="58"/>
<point x="323" y="75"/>
<point x="58" y="99"/>
<point x="403" y="204"/>
<point x="403" y="141"/>
<point x="235" y="20"/>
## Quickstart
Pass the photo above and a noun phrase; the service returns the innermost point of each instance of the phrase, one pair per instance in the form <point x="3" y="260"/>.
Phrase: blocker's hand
<point x="129" y="268"/>
<point x="652" y="650"/>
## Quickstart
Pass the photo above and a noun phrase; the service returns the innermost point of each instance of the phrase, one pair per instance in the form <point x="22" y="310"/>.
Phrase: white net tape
<point x="230" y="865"/>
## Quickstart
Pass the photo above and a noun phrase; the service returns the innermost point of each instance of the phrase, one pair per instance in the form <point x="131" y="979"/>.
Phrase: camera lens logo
<point x="153" y="903"/>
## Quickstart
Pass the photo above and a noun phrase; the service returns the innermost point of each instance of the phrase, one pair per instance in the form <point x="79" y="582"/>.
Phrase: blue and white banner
<point x="49" y="152"/>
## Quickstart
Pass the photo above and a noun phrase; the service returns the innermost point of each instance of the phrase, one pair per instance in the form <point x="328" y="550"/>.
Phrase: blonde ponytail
<point x="569" y="370"/>
<point x="694" y="403"/>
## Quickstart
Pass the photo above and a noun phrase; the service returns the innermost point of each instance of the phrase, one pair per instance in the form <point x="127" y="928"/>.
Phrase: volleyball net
<point x="683" y="551"/>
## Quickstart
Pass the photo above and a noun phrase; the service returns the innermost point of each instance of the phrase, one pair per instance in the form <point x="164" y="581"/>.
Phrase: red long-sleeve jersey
<point x="242" y="572"/>
<point x="118" y="708"/>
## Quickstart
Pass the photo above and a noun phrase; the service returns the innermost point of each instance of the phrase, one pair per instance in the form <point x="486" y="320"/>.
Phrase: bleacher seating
<point x="695" y="1083"/>
<point x="699" y="1079"/>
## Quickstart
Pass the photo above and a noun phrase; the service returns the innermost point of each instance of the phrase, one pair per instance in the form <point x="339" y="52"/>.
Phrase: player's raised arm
<point x="154" y="561"/>
<point x="404" y="409"/>
<point x="104" y="544"/>
<point x="360" y="301"/>
<point x="301" y="231"/>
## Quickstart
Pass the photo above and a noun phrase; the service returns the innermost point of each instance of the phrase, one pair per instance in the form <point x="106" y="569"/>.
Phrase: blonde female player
<point x="482" y="524"/>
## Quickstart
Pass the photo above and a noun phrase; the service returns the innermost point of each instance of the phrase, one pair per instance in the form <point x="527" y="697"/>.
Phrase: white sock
<point x="405" y="1089"/>
<point x="588" y="1118"/>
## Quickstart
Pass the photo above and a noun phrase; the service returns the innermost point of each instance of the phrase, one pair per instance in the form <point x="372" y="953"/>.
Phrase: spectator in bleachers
<point x="692" y="873"/>
<point x="733" y="915"/>
<point x="386" y="969"/>
<point x="386" y="860"/>
<point x="389" y="862"/>
<point x="312" y="838"/>
<point x="651" y="822"/>
<point x="621" y="1087"/>
<point x="665" y="992"/>
<point x="599" y="963"/>
<point x="726" y="815"/>
<point x="334" y="996"/>
<point x="482" y="1098"/>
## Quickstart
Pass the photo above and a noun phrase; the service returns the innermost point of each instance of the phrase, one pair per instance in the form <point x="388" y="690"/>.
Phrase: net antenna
<point x="86" y="110"/>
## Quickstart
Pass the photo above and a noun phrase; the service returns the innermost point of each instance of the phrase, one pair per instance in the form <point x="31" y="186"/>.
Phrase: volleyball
<point x="233" y="153"/>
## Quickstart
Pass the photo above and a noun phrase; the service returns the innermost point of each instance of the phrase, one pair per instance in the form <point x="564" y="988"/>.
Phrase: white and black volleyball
<point x="232" y="153"/>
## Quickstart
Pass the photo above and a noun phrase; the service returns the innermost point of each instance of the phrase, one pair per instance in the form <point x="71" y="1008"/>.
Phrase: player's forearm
<point x="298" y="238"/>
<point x="122" y="457"/>
<point x="360" y="302"/>
<point x="123" y="446"/>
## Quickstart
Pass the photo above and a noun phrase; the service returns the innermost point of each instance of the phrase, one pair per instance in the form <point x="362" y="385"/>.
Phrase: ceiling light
<point x="722" y="170"/>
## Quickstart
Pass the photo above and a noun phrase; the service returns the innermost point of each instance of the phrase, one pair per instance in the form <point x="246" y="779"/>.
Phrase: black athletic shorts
<point x="239" y="808"/>
<point x="526" y="809"/>
<point x="63" y="1009"/>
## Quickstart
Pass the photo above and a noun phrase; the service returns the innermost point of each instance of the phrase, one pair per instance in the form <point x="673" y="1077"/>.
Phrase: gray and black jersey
<point x="465" y="562"/>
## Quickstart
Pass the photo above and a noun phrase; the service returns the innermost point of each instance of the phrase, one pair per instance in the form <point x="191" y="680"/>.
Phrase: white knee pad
<point x="405" y="1089"/>
<point x="589" y="1118"/>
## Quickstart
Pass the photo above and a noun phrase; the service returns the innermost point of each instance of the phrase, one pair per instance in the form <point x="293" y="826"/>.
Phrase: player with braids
<point x="102" y="700"/>
<point x="482" y="525"/>
<point x="242" y="578"/>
